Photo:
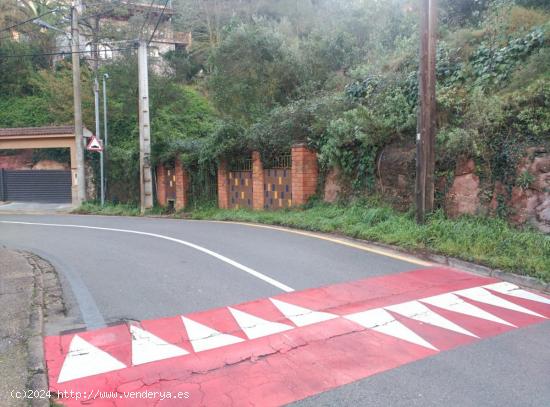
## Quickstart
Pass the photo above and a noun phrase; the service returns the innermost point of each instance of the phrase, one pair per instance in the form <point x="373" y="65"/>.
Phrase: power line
<point x="29" y="20"/>
<point x="158" y="21"/>
<point x="146" y="18"/>
<point x="58" y="53"/>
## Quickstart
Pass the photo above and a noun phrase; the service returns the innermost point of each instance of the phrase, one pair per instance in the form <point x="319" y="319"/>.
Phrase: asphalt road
<point x="187" y="266"/>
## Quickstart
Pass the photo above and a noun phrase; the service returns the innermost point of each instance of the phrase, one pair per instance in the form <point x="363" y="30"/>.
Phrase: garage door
<point x="36" y="186"/>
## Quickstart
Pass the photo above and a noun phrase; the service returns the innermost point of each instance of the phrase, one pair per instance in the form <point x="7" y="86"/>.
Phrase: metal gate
<point x="35" y="186"/>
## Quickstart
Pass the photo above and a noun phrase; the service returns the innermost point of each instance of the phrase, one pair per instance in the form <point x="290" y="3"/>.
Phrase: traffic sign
<point x="94" y="145"/>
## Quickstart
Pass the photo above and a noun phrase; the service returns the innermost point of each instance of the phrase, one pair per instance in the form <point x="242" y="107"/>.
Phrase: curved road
<point x="116" y="275"/>
<point x="115" y="268"/>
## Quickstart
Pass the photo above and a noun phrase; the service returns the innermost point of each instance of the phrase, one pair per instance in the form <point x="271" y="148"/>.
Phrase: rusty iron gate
<point x="278" y="183"/>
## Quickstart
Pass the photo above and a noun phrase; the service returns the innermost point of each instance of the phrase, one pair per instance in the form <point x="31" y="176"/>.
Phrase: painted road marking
<point x="511" y="289"/>
<point x="84" y="359"/>
<point x="204" y="338"/>
<point x="480" y="294"/>
<point x="382" y="321"/>
<point x="256" y="327"/>
<point x="360" y="246"/>
<point x="316" y="339"/>
<point x="301" y="316"/>
<point x="218" y="256"/>
<point x="452" y="302"/>
<point x="418" y="311"/>
<point x="147" y="347"/>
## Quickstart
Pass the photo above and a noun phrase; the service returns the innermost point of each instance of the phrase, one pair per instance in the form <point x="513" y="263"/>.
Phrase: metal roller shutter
<point x="37" y="186"/>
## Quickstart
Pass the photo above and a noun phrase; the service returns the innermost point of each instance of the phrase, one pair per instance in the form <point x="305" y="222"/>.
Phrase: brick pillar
<point x="161" y="185"/>
<point x="182" y="185"/>
<point x="258" y="193"/>
<point x="223" y="185"/>
<point x="304" y="174"/>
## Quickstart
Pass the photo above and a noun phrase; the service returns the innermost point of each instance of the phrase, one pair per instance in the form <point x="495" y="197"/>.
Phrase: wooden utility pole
<point x="145" y="176"/>
<point x="425" y="140"/>
<point x="80" y="180"/>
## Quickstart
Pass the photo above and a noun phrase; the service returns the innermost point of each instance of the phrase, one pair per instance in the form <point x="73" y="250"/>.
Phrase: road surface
<point x="116" y="269"/>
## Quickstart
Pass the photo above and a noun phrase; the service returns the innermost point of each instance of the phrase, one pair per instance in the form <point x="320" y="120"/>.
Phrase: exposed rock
<point x="50" y="165"/>
<point x="532" y="202"/>
<point x="465" y="166"/>
<point x="463" y="197"/>
<point x="332" y="185"/>
<point x="396" y="173"/>
<point x="20" y="161"/>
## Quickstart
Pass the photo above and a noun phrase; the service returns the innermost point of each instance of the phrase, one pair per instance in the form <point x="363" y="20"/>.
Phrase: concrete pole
<point x="98" y="135"/>
<point x="146" y="183"/>
<point x="105" y="128"/>
<point x="80" y="175"/>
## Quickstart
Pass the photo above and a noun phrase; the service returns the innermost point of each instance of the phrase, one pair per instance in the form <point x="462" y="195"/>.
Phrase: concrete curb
<point x="518" y="279"/>
<point x="38" y="381"/>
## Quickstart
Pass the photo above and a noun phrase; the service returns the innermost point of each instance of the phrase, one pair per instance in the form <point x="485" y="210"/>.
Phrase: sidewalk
<point x="21" y="355"/>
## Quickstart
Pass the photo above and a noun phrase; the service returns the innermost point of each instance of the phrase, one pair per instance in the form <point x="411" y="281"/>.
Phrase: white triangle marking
<point x="451" y="302"/>
<point x="147" y="347"/>
<point x="382" y="321"/>
<point x="301" y="316"/>
<point x="482" y="295"/>
<point x="255" y="327"/>
<point x="84" y="359"/>
<point x="513" y="290"/>
<point x="419" y="312"/>
<point x="204" y="338"/>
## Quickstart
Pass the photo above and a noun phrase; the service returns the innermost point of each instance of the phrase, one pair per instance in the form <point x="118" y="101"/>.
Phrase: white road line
<point x="218" y="256"/>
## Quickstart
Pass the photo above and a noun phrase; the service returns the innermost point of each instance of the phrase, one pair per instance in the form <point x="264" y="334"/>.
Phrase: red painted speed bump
<point x="277" y="350"/>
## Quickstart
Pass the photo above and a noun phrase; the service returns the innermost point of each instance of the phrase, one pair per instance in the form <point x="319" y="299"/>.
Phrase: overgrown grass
<point x="110" y="209"/>
<point x="487" y="241"/>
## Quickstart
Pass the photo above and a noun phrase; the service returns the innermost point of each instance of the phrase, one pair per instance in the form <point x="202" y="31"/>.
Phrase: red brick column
<point x="182" y="185"/>
<point x="223" y="185"/>
<point x="258" y="193"/>
<point x="304" y="174"/>
<point x="161" y="185"/>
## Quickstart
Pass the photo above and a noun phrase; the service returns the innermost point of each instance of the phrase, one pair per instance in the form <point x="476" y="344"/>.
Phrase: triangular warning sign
<point x="94" y="144"/>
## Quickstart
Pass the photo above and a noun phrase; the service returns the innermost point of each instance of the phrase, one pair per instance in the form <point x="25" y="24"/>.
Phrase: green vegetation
<point x="340" y="75"/>
<point x="491" y="242"/>
<point x="109" y="209"/>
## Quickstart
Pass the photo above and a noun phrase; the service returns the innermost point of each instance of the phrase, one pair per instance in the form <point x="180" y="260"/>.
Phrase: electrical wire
<point x="158" y="21"/>
<point x="146" y="18"/>
<point x="27" y="21"/>
<point x="58" y="53"/>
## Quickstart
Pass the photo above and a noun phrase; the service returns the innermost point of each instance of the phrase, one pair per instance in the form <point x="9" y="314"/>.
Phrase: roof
<point x="36" y="131"/>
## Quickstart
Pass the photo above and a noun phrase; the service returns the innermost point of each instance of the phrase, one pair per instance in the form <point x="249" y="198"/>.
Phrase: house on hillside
<point x="125" y="21"/>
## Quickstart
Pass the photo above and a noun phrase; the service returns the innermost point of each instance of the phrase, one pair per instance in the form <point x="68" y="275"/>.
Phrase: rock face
<point x="20" y="161"/>
<point x="50" y="165"/>
<point x="532" y="202"/>
<point x="332" y="186"/>
<point x="463" y="196"/>
<point x="396" y="173"/>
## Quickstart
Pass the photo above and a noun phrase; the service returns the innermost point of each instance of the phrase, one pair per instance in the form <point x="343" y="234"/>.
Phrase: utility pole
<point x="425" y="139"/>
<point x="98" y="135"/>
<point x="78" y="130"/>
<point x="145" y="176"/>
<point x="105" y="133"/>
